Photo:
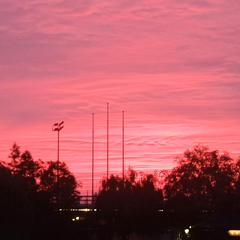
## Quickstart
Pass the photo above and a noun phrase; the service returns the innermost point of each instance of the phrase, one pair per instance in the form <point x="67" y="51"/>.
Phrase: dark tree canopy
<point x="15" y="153"/>
<point x="30" y="195"/>
<point x="133" y="201"/>
<point x="48" y="179"/>
<point x="203" y="179"/>
<point x="60" y="184"/>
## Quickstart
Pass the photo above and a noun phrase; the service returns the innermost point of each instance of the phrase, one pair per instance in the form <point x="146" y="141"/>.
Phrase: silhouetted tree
<point x="28" y="191"/>
<point x="131" y="202"/>
<point x="23" y="164"/>
<point x="16" y="205"/>
<point x="203" y="180"/>
<point x="15" y="154"/>
<point x="60" y="185"/>
<point x="151" y="198"/>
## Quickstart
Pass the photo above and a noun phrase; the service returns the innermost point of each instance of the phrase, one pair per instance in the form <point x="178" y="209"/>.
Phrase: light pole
<point x="57" y="127"/>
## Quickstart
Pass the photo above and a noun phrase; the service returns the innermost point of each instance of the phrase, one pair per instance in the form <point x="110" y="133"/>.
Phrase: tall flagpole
<point x="92" y="156"/>
<point x="58" y="137"/>
<point x="107" y="141"/>
<point x="123" y="143"/>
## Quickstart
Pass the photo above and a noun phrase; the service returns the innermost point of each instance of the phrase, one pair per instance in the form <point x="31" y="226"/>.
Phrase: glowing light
<point x="73" y="219"/>
<point x="77" y="218"/>
<point x="186" y="231"/>
<point x="234" y="233"/>
<point x="78" y="209"/>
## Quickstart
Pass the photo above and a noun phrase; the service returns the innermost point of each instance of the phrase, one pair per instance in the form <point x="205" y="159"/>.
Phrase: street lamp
<point x="57" y="127"/>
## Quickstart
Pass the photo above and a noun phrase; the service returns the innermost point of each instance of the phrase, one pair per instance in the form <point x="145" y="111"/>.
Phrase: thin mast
<point x="92" y="155"/>
<point x="107" y="141"/>
<point x="123" y="147"/>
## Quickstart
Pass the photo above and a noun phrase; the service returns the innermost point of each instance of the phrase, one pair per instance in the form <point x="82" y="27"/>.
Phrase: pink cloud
<point x="172" y="65"/>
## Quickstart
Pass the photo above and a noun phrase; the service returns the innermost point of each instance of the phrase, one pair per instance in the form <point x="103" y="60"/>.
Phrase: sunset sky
<point x="172" y="65"/>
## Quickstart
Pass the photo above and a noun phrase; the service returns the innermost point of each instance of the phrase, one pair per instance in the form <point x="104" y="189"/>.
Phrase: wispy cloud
<point x="173" y="65"/>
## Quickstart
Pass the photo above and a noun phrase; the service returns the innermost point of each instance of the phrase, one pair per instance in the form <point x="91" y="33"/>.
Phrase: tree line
<point x="204" y="182"/>
<point x="31" y="192"/>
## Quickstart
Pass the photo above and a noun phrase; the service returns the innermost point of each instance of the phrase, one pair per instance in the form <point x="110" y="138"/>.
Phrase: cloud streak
<point x="172" y="65"/>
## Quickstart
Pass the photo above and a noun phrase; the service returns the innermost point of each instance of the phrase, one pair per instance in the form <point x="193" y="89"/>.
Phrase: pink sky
<point x="173" y="66"/>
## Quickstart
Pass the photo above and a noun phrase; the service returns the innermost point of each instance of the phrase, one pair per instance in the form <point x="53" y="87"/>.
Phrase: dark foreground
<point x="93" y="226"/>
